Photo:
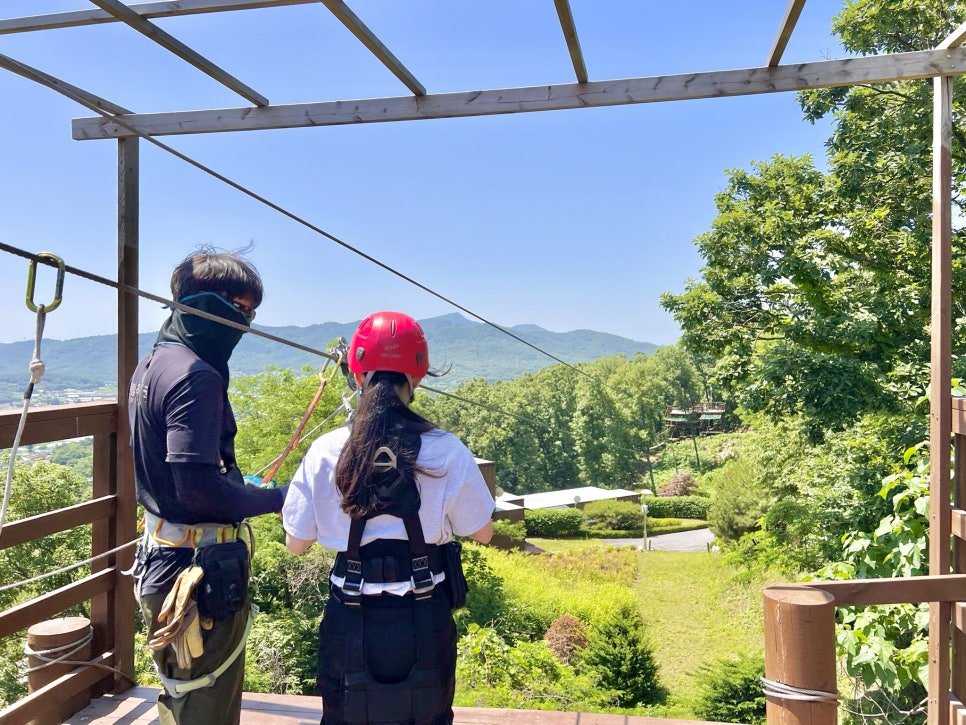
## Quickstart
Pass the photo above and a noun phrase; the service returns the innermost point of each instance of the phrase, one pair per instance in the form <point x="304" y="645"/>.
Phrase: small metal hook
<point x="32" y="279"/>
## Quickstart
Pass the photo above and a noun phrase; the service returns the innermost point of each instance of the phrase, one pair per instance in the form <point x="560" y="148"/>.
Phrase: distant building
<point x="568" y="498"/>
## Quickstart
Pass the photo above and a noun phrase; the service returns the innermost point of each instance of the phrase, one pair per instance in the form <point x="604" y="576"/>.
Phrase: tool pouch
<point x="455" y="583"/>
<point x="224" y="588"/>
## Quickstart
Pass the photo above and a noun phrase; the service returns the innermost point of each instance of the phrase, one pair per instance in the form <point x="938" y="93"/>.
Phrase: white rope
<point x="36" y="371"/>
<point x="37" y="578"/>
<point x="44" y="654"/>
<point x="789" y="692"/>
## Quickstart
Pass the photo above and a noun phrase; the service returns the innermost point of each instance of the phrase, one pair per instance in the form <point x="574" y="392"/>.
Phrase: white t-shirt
<point x="454" y="499"/>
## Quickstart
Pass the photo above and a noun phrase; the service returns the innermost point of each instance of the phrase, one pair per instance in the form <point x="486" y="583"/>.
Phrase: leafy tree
<point x="814" y="294"/>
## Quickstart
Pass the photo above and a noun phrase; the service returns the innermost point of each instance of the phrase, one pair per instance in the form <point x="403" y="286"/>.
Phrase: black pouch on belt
<point x="455" y="582"/>
<point x="224" y="586"/>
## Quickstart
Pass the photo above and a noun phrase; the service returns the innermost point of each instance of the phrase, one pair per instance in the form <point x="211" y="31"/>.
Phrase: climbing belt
<point x="36" y="364"/>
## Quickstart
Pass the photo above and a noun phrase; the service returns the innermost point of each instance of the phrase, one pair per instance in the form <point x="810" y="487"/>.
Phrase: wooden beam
<point x="38" y="76"/>
<point x="750" y="81"/>
<point x="896" y="590"/>
<point x="359" y="29"/>
<point x="955" y="38"/>
<point x="792" y="12"/>
<point x="169" y="42"/>
<point x="940" y="398"/>
<point x="167" y="9"/>
<point x="570" y="35"/>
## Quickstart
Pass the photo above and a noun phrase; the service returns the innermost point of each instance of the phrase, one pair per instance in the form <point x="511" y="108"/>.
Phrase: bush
<point x="738" y="502"/>
<point x="613" y="515"/>
<point x="677" y="507"/>
<point x="620" y="656"/>
<point x="681" y="483"/>
<point x="565" y="636"/>
<point x="729" y="690"/>
<point x="551" y="523"/>
<point x="516" y="530"/>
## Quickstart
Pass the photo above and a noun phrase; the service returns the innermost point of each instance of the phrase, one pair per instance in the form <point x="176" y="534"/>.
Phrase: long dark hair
<point x="381" y="419"/>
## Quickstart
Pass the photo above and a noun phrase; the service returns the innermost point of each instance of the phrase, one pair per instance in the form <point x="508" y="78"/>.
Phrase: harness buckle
<point x="423" y="583"/>
<point x="352" y="584"/>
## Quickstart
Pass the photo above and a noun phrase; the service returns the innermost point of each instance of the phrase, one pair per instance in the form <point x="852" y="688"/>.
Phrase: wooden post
<point x="800" y="653"/>
<point x="58" y="638"/>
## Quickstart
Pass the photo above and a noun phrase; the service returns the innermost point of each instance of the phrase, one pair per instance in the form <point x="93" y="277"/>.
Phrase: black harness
<point x="414" y="699"/>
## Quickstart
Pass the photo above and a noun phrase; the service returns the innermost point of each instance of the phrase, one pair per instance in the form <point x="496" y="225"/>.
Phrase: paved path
<point x="697" y="540"/>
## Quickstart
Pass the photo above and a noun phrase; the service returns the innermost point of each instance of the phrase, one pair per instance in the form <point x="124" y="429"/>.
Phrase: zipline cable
<point x="170" y="303"/>
<point x="48" y="81"/>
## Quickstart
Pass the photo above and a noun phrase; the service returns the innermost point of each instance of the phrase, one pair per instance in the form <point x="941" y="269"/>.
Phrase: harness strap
<point x="180" y="688"/>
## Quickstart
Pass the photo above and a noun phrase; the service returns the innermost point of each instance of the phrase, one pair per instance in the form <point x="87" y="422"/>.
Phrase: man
<point x="194" y="496"/>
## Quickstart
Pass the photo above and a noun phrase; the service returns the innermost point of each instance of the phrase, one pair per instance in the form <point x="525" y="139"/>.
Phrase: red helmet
<point x="389" y="341"/>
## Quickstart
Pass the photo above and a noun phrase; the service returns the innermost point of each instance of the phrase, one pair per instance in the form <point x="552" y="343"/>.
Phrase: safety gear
<point x="389" y="341"/>
<point x="180" y="611"/>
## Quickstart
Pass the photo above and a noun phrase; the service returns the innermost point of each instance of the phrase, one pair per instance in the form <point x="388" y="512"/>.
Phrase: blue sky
<point x="565" y="219"/>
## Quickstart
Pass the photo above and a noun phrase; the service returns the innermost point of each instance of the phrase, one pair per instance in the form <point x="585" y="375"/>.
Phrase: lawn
<point x="695" y="612"/>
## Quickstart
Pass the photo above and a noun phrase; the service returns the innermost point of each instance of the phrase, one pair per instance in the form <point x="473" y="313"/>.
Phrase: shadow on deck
<point x="137" y="705"/>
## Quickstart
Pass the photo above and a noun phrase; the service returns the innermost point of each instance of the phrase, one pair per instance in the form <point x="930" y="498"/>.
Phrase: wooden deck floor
<point x="137" y="705"/>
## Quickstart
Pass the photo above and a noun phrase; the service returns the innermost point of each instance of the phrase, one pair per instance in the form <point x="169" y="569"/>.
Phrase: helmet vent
<point x="392" y="328"/>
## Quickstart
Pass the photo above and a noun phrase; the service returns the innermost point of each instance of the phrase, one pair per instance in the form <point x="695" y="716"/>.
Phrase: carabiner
<point x="32" y="278"/>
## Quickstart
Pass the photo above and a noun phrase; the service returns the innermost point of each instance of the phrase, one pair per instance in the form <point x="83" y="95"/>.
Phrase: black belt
<point x="386" y="567"/>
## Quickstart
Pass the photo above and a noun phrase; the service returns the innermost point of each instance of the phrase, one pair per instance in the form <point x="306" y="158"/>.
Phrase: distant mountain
<point x="472" y="350"/>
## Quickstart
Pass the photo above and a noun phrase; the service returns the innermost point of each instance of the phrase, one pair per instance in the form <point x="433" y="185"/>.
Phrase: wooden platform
<point x="137" y="705"/>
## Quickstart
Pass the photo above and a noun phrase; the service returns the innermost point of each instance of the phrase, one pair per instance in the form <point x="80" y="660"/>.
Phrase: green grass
<point x="695" y="612"/>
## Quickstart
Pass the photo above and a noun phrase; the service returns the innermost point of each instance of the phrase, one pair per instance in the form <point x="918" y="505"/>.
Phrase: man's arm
<point x="215" y="497"/>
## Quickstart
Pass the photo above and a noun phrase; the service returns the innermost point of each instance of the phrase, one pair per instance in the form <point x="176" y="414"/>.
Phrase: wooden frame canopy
<point x="947" y="665"/>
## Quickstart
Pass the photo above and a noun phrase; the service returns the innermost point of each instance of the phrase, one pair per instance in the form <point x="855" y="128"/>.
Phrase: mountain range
<point x="470" y="349"/>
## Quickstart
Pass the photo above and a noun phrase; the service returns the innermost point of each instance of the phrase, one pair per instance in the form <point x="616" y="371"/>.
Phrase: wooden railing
<point x="111" y="513"/>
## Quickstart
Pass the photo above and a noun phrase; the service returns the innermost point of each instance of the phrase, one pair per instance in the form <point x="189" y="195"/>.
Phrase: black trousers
<point x="387" y="641"/>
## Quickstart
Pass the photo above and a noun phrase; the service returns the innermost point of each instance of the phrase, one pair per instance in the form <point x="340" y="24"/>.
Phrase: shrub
<point x="729" y="690"/>
<point x="613" y="515"/>
<point x="738" y="502"/>
<point x="681" y="483"/>
<point x="678" y="507"/>
<point x="622" y="659"/>
<point x="516" y="530"/>
<point x="565" y="636"/>
<point x="553" y="522"/>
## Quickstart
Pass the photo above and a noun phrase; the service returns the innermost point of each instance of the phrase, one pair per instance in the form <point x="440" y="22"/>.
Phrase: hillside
<point x="472" y="350"/>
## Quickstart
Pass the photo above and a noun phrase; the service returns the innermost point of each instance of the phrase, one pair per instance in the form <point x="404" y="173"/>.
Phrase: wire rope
<point x="69" y="92"/>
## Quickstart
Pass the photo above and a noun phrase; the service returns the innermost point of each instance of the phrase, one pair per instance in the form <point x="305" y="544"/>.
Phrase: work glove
<point x="180" y="611"/>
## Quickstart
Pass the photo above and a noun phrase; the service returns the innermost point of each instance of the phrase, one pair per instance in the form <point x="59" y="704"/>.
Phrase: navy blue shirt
<point x="183" y="433"/>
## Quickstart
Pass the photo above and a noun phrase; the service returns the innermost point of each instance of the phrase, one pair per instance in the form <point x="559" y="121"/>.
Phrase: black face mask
<point x="209" y="340"/>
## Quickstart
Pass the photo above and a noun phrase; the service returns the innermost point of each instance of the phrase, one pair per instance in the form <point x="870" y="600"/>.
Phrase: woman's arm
<point x="483" y="535"/>
<point x="299" y="546"/>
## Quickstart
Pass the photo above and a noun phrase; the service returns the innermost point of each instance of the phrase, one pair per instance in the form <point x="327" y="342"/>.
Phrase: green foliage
<point x="553" y="522"/>
<point x="619" y="654"/>
<point x="739" y="501"/>
<point x="885" y="648"/>
<point x="681" y="483"/>
<point x="729" y="690"/>
<point x="282" y="654"/>
<point x="613" y="515"/>
<point x="515" y="530"/>
<point x="77" y="455"/>
<point x="680" y="507"/>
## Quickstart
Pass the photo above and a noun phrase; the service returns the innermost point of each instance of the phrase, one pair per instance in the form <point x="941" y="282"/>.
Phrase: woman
<point x="387" y="492"/>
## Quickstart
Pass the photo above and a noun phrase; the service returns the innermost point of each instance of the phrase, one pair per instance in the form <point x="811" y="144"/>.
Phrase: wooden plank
<point x="792" y="12"/>
<point x="59" y="422"/>
<point x="169" y="42"/>
<point x="51" y="522"/>
<point x="958" y="423"/>
<point x="167" y="9"/>
<point x="359" y="29"/>
<point x="36" y="703"/>
<point x="897" y="590"/>
<point x="569" y="28"/>
<point x="957" y="711"/>
<point x="955" y="38"/>
<point x="121" y="456"/>
<point x="751" y="81"/>
<point x="940" y="399"/>
<point x="44" y="607"/>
